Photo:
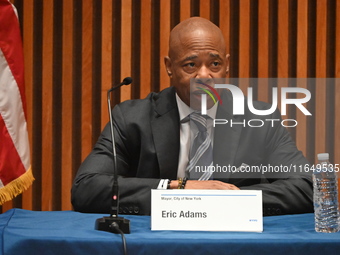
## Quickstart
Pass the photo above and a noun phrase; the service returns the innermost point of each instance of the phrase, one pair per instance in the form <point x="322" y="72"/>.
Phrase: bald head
<point x="196" y="51"/>
<point x="193" y="27"/>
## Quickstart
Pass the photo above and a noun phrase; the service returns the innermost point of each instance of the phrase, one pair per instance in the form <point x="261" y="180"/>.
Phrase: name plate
<point x="207" y="210"/>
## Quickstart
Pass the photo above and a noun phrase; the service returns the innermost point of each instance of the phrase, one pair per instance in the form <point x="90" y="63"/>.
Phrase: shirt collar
<point x="184" y="110"/>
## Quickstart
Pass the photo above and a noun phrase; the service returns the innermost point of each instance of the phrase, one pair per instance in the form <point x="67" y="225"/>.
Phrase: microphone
<point x="113" y="223"/>
<point x="126" y="81"/>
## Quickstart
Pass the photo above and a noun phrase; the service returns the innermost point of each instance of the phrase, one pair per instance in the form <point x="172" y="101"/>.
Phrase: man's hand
<point x="192" y="184"/>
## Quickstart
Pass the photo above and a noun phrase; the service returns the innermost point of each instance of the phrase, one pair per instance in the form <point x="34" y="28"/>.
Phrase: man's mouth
<point x="198" y="92"/>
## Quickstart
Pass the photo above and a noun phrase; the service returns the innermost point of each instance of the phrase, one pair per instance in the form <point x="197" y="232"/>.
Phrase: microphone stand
<point x="113" y="223"/>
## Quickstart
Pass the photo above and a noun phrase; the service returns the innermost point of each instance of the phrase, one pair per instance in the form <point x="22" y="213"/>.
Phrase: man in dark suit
<point x="152" y="145"/>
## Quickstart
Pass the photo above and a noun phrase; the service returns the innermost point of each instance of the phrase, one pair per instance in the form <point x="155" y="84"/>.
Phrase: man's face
<point x="198" y="55"/>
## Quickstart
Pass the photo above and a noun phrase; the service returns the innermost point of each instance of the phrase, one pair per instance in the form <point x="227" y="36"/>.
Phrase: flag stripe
<point x="11" y="110"/>
<point x="10" y="163"/>
<point x="11" y="45"/>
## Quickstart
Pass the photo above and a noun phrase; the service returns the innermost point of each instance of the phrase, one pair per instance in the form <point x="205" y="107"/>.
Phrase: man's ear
<point x="227" y="57"/>
<point x="167" y="62"/>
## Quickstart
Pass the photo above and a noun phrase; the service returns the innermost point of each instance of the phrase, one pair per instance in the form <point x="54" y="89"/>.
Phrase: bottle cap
<point x="323" y="156"/>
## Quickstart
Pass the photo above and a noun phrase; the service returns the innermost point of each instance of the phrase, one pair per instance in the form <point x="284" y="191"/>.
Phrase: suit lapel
<point x="226" y="138"/>
<point x="165" y="130"/>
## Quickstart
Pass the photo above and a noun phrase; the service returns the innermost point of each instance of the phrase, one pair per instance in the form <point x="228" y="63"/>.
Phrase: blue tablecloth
<point x="68" y="232"/>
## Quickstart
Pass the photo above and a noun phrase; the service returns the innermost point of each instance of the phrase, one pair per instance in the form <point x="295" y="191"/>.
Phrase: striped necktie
<point x="201" y="153"/>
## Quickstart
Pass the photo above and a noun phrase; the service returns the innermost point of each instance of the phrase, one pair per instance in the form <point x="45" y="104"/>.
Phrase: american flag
<point x="15" y="167"/>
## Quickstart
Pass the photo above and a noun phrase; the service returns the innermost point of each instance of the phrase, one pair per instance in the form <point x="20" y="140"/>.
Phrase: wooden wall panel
<point x="337" y="85"/>
<point x="263" y="31"/>
<point x="244" y="41"/>
<point x="244" y="44"/>
<point x="106" y="49"/>
<point x="126" y="40"/>
<point x="224" y="23"/>
<point x="86" y="78"/>
<point x="164" y="41"/>
<point x="205" y="9"/>
<point x="262" y="62"/>
<point x="67" y="117"/>
<point x="301" y="67"/>
<point x="76" y="50"/>
<point x="320" y="88"/>
<point x="283" y="38"/>
<point x="184" y="9"/>
<point x="47" y="106"/>
<point x="27" y="197"/>
<point x="146" y="47"/>
<point x="337" y="40"/>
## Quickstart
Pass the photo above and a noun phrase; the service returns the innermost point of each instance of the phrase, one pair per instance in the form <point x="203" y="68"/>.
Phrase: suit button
<point x="136" y="210"/>
<point x="130" y="210"/>
<point x="278" y="211"/>
<point x="269" y="211"/>
<point x="125" y="210"/>
<point x="120" y="210"/>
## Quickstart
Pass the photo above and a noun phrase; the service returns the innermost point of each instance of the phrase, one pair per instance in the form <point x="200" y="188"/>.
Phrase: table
<point x="67" y="232"/>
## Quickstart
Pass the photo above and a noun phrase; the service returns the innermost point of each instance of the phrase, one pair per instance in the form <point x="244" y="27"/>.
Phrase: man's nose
<point x="203" y="72"/>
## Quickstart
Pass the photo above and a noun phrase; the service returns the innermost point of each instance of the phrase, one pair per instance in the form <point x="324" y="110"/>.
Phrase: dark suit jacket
<point x="147" y="145"/>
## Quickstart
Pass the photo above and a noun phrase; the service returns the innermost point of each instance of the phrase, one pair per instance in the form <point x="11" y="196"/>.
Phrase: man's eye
<point x="215" y="63"/>
<point x="190" y="64"/>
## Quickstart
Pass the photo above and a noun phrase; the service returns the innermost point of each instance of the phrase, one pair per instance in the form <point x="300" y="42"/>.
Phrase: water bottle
<point x="325" y="185"/>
